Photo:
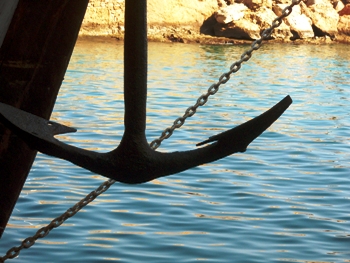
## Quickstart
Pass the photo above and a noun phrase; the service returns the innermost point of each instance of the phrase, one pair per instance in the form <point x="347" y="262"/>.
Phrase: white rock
<point x="339" y="6"/>
<point x="299" y="23"/>
<point x="230" y="13"/>
<point x="241" y="29"/>
<point x="323" y="16"/>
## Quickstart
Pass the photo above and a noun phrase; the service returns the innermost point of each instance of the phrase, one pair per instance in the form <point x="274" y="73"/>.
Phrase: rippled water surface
<point x="286" y="199"/>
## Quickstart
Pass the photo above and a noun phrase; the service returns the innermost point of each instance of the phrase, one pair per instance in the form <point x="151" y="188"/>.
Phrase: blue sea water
<point x="286" y="199"/>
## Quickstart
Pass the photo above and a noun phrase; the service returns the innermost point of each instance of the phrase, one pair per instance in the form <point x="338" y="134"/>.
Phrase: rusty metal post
<point x="33" y="60"/>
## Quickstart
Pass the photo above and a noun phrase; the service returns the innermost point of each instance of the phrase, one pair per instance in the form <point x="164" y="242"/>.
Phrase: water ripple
<point x="286" y="199"/>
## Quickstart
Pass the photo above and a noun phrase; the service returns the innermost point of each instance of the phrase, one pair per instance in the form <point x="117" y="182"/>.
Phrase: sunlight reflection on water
<point x="284" y="200"/>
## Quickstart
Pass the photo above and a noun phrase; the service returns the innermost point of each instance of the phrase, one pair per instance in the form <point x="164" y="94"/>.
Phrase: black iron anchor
<point x="134" y="161"/>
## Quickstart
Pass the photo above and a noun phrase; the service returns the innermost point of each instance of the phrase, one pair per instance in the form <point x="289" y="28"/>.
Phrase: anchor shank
<point x="135" y="67"/>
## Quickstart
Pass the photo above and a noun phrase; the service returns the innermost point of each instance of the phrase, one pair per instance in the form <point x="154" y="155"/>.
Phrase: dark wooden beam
<point x="33" y="60"/>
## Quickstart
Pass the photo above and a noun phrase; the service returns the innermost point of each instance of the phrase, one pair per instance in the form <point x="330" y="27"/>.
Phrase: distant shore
<point x="224" y="21"/>
<point x="210" y="40"/>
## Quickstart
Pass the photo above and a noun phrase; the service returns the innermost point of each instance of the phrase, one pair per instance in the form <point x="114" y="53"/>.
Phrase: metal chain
<point x="44" y="231"/>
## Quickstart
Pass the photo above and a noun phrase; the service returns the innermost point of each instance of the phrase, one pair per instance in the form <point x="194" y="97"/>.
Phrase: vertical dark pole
<point x="135" y="67"/>
<point x="33" y="60"/>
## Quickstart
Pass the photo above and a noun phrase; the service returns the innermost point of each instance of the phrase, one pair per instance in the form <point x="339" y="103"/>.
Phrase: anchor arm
<point x="245" y="133"/>
<point x="226" y="143"/>
<point x="138" y="163"/>
<point x="133" y="161"/>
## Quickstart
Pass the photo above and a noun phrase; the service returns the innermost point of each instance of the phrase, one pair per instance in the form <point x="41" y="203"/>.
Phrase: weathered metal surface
<point x="245" y="133"/>
<point x="32" y="124"/>
<point x="33" y="59"/>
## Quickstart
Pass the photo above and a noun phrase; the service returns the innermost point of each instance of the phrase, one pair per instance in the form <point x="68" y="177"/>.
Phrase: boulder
<point x="230" y="13"/>
<point x="338" y="6"/>
<point x="179" y="12"/>
<point x="251" y="25"/>
<point x="241" y="29"/>
<point x="313" y="2"/>
<point x="323" y="16"/>
<point x="264" y="18"/>
<point x="222" y="3"/>
<point x="300" y="24"/>
<point x="256" y="4"/>
<point x="345" y="11"/>
<point x="344" y="25"/>
<point x="287" y="2"/>
<point x="106" y="17"/>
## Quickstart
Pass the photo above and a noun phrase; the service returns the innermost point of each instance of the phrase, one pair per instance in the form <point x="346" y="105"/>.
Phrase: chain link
<point x="44" y="231"/>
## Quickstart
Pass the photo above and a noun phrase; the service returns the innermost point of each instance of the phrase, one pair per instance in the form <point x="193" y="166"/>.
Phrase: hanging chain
<point x="44" y="231"/>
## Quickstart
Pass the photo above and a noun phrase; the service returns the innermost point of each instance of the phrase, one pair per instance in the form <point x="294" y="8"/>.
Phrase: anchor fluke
<point x="245" y="133"/>
<point x="32" y="124"/>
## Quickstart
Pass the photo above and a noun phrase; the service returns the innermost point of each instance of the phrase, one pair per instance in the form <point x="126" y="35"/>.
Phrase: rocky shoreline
<point x="226" y="22"/>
